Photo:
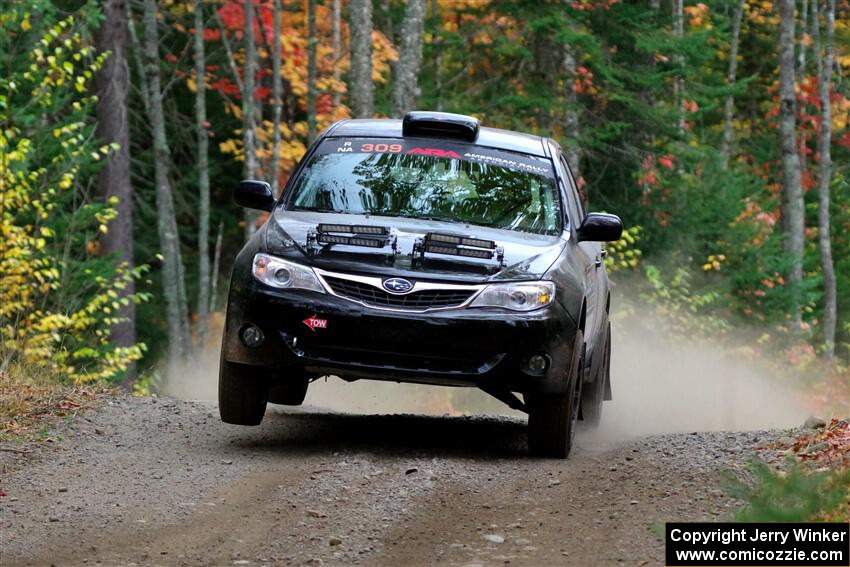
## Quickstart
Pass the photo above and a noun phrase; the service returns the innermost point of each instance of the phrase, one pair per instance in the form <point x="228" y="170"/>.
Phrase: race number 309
<point x="381" y="148"/>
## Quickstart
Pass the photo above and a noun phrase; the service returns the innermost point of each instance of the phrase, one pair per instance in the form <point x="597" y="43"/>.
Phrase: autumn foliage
<point x="71" y="340"/>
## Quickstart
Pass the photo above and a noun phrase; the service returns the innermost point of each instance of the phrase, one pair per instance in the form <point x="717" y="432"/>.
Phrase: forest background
<point x="718" y="130"/>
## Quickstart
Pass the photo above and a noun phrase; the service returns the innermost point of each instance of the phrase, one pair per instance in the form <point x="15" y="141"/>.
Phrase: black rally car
<point x="427" y="250"/>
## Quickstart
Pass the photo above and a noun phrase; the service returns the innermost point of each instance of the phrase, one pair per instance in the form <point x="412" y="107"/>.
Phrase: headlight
<point x="516" y="296"/>
<point x="279" y="273"/>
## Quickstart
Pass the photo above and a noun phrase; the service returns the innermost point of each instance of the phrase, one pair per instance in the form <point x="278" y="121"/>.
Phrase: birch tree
<point x="113" y="83"/>
<point x="571" y="118"/>
<point x="679" y="81"/>
<point x="825" y="177"/>
<point x="248" y="86"/>
<point x="312" y="40"/>
<point x="406" y="86"/>
<point x="277" y="93"/>
<point x="173" y="287"/>
<point x="360" y="87"/>
<point x="792" y="188"/>
<point x="731" y="77"/>
<point x="248" y="119"/>
<point x="801" y="55"/>
<point x="336" y="45"/>
<point x="203" y="176"/>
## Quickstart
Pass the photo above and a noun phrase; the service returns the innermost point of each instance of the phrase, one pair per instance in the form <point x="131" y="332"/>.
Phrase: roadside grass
<point x="795" y="494"/>
<point x="811" y="484"/>
<point x="31" y="404"/>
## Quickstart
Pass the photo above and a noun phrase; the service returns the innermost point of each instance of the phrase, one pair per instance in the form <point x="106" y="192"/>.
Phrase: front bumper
<point x="462" y="347"/>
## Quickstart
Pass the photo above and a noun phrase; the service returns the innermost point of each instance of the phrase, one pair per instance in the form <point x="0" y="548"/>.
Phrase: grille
<point x="415" y="301"/>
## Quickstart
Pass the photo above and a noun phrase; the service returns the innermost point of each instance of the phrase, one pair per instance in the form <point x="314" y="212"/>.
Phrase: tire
<point x="242" y="393"/>
<point x="594" y="393"/>
<point x="552" y="418"/>
<point x="290" y="389"/>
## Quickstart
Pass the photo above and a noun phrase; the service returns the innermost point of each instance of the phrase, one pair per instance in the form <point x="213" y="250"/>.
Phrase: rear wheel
<point x="242" y="393"/>
<point x="594" y="393"/>
<point x="552" y="418"/>
<point x="289" y="389"/>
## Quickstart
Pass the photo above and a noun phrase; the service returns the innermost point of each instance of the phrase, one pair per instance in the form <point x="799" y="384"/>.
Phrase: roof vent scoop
<point x="440" y="124"/>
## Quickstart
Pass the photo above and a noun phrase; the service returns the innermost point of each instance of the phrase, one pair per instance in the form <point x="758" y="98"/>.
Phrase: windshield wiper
<point x="311" y="210"/>
<point x="431" y="218"/>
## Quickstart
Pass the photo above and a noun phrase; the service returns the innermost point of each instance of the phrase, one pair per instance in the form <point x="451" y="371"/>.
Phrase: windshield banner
<point x="439" y="149"/>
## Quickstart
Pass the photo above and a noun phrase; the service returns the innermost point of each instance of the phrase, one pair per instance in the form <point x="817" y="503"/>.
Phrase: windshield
<point x="454" y="183"/>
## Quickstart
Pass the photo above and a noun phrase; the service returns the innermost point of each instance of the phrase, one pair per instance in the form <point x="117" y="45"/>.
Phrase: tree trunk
<point x="248" y="110"/>
<point x="277" y="93"/>
<point x="803" y="141"/>
<point x="792" y="189"/>
<point x="436" y="42"/>
<point x="203" y="177"/>
<point x="336" y="45"/>
<point x="173" y="286"/>
<point x="312" y="40"/>
<point x="113" y="83"/>
<point x="679" y="81"/>
<point x="360" y="87"/>
<point x="824" y="141"/>
<point x="216" y="266"/>
<point x="406" y="86"/>
<point x="731" y="77"/>
<point x="801" y="56"/>
<point x="571" y="119"/>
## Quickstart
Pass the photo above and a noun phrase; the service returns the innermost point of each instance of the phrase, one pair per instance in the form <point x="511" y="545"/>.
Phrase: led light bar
<point x="472" y="253"/>
<point x="325" y="238"/>
<point x="460" y="241"/>
<point x="354" y="229"/>
<point x="360" y="229"/>
<point x="371" y="242"/>
<point x="455" y="251"/>
<point x="332" y="239"/>
<point x="437" y="237"/>
<point x="478" y="243"/>
<point x="333" y="228"/>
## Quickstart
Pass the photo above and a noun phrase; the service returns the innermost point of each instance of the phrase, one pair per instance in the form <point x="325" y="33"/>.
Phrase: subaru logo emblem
<point x="397" y="285"/>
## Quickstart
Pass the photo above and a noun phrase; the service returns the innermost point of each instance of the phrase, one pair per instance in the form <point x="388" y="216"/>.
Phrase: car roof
<point x="391" y="128"/>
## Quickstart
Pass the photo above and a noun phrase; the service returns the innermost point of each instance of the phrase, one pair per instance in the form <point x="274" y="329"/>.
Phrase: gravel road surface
<point x="147" y="481"/>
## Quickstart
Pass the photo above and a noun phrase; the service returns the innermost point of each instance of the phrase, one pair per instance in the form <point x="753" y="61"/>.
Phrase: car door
<point x="591" y="258"/>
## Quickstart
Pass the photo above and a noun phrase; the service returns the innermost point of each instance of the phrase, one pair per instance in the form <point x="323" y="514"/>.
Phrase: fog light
<point x="536" y="364"/>
<point x="252" y="336"/>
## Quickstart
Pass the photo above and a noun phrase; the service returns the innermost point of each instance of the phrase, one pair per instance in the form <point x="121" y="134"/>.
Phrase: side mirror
<point x="600" y="227"/>
<point x="253" y="194"/>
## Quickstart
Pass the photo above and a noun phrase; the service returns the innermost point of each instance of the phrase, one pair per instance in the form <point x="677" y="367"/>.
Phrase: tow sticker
<point x="315" y="323"/>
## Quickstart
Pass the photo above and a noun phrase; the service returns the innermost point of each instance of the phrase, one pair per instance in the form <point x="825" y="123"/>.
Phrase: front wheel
<point x="242" y="393"/>
<point x="594" y="393"/>
<point x="552" y="418"/>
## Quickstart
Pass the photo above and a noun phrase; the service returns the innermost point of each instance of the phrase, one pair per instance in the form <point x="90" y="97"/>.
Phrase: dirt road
<point x="163" y="482"/>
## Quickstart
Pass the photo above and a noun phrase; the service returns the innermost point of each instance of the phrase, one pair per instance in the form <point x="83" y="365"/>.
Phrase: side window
<point x="573" y="201"/>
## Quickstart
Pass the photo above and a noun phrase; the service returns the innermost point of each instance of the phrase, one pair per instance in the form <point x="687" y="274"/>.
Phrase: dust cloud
<point x="659" y="386"/>
<point x="663" y="385"/>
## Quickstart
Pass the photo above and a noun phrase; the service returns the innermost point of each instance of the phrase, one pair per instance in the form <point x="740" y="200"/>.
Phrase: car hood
<point x="526" y="256"/>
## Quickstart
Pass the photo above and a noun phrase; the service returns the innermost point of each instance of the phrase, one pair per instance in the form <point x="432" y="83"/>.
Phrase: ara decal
<point x="435" y="152"/>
